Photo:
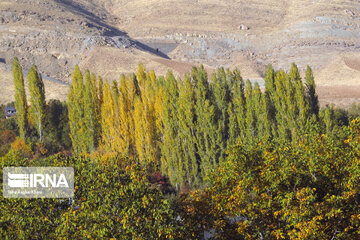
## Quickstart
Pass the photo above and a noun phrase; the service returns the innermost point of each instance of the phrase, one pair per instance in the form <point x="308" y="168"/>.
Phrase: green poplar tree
<point x="268" y="100"/>
<point x="221" y="84"/>
<point x="311" y="93"/>
<point x="100" y="92"/>
<point x="20" y="99"/>
<point x="171" y="158"/>
<point x="270" y="80"/>
<point x="186" y="136"/>
<point x="301" y="103"/>
<point x="250" y="120"/>
<point x="89" y="111"/>
<point x="97" y="109"/>
<point x="237" y="111"/>
<point x="291" y="81"/>
<point x="259" y="111"/>
<point x="99" y="102"/>
<point x="76" y="112"/>
<point x="281" y="107"/>
<point x="37" y="100"/>
<point x="205" y="122"/>
<point x="329" y="119"/>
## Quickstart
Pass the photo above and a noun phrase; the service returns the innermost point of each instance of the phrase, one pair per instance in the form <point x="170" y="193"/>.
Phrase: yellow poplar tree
<point x="145" y="122"/>
<point x="108" y="118"/>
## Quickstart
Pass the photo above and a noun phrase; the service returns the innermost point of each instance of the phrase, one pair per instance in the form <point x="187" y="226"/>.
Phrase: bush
<point x="110" y="202"/>
<point x="6" y="138"/>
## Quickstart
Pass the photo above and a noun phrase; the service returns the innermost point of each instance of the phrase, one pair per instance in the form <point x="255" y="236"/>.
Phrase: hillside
<point x="111" y="37"/>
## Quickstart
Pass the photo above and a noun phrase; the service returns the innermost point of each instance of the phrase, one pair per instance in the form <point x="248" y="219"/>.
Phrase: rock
<point x="243" y="27"/>
<point x="349" y="12"/>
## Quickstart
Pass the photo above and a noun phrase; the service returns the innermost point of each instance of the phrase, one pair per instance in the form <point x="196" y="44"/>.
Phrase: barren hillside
<point x="112" y="36"/>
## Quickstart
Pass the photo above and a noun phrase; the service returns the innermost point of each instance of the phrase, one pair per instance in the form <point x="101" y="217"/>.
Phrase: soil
<point x="111" y="37"/>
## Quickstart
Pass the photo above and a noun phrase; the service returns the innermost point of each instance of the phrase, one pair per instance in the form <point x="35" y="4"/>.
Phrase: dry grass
<point x="110" y="63"/>
<point x="144" y="17"/>
<point x="343" y="70"/>
<point x="341" y="96"/>
<point x="165" y="16"/>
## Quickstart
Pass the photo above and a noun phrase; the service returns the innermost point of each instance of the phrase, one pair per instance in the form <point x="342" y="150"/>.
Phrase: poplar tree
<point x="141" y="140"/>
<point x="126" y="130"/>
<point x="186" y="136"/>
<point x="116" y="121"/>
<point x="269" y="116"/>
<point x="270" y="80"/>
<point x="76" y="112"/>
<point x="99" y="91"/>
<point x="291" y="80"/>
<point x="97" y="109"/>
<point x="270" y="90"/>
<point x="205" y="122"/>
<point x="266" y="120"/>
<point x="171" y="157"/>
<point x="311" y="93"/>
<point x="141" y="75"/>
<point x="237" y="111"/>
<point x="20" y="99"/>
<point x="281" y="107"/>
<point x="99" y="102"/>
<point x="108" y="119"/>
<point x="328" y="116"/>
<point x="258" y="111"/>
<point x="89" y="111"/>
<point x="221" y="84"/>
<point x="145" y="121"/>
<point x="302" y="104"/>
<point x="37" y="100"/>
<point x="250" y="120"/>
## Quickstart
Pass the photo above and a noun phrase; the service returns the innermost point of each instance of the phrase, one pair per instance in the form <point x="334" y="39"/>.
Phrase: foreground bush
<point x="111" y="201"/>
<point x="305" y="191"/>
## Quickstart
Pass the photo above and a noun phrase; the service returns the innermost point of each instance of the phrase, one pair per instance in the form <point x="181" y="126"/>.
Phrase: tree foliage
<point x="20" y="98"/>
<point x="247" y="161"/>
<point x="113" y="200"/>
<point x="37" y="100"/>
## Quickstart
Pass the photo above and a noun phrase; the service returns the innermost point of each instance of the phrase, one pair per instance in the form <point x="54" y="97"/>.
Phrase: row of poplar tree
<point x="268" y="163"/>
<point x="36" y="113"/>
<point x="184" y="127"/>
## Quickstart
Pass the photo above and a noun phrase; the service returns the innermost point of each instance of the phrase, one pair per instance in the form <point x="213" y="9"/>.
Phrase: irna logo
<point x="38" y="182"/>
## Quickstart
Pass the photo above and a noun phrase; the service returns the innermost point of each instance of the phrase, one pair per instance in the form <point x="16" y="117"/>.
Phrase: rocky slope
<point x="111" y="36"/>
<point x="56" y="35"/>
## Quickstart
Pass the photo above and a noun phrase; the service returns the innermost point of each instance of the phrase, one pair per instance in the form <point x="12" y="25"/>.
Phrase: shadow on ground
<point x="109" y="30"/>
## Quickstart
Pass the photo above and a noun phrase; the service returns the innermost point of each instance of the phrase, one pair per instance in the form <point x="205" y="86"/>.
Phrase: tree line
<point x="184" y="127"/>
<point x="243" y="161"/>
<point x="38" y="121"/>
<point x="181" y="127"/>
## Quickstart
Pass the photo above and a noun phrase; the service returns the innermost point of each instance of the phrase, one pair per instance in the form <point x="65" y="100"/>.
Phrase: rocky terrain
<point x="53" y="34"/>
<point x="111" y="36"/>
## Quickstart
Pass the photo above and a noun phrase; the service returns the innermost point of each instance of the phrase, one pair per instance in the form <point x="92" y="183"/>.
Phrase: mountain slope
<point x="57" y="34"/>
